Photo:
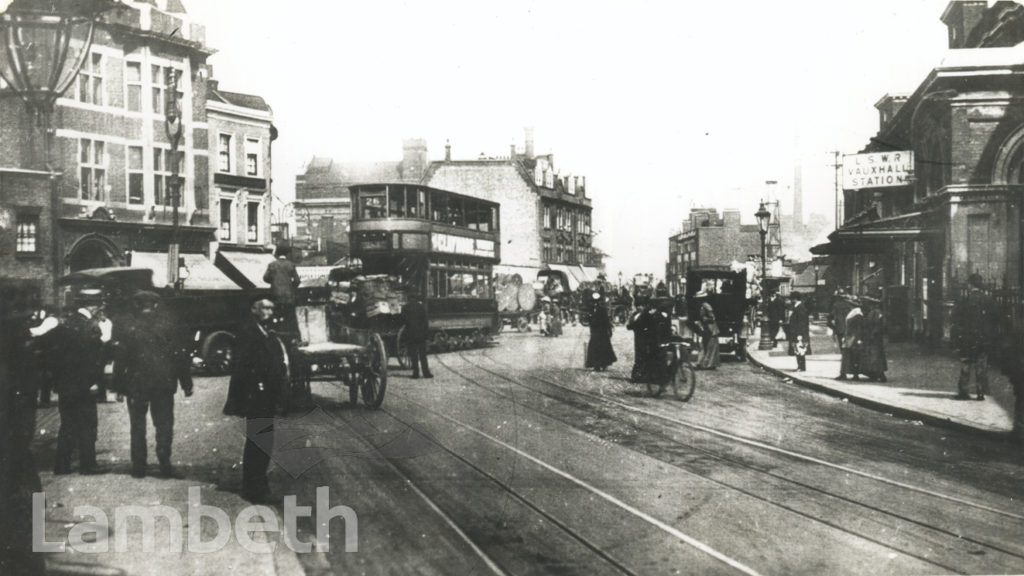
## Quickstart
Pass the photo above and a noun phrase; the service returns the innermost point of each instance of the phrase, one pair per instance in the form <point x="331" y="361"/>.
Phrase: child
<point x="801" y="354"/>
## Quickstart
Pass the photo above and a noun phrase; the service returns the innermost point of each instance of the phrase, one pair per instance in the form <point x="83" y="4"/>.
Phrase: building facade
<point x="708" y="239"/>
<point x="545" y="216"/>
<point x="916" y="241"/>
<point x="109" y="191"/>
<point x="241" y="131"/>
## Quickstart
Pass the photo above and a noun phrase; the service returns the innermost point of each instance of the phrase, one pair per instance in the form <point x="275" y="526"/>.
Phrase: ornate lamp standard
<point x="764" y="218"/>
<point x="43" y="46"/>
<point x="173" y="129"/>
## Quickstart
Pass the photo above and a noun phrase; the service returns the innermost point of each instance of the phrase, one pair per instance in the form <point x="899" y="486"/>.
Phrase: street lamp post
<point x="43" y="45"/>
<point x="764" y="218"/>
<point x="173" y="130"/>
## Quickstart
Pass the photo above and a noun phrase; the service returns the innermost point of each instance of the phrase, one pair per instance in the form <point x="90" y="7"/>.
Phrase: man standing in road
<point x="260" y="379"/>
<point x="415" y="334"/>
<point x="973" y="334"/>
<point x="283" y="280"/>
<point x="75" y="345"/>
<point x="151" y="362"/>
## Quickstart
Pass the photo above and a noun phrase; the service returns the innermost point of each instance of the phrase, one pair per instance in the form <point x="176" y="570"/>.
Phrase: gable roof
<point x="323" y="170"/>
<point x="238" y="99"/>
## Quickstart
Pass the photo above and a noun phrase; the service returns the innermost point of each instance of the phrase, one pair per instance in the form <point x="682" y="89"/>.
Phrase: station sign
<point x="452" y="244"/>
<point x="878" y="169"/>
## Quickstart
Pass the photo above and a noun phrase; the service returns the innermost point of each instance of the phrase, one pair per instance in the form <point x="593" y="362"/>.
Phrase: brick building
<point x="916" y="241"/>
<point x="109" y="195"/>
<point x="708" y="239"/>
<point x="545" y="216"/>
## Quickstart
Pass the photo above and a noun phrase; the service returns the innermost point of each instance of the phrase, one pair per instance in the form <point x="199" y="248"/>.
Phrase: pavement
<point x="207" y="453"/>
<point x="920" y="387"/>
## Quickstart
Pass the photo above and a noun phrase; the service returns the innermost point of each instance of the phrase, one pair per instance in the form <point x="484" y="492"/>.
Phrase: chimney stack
<point x="529" y="142"/>
<point x="512" y="150"/>
<point x="447" y="151"/>
<point x="960" y="18"/>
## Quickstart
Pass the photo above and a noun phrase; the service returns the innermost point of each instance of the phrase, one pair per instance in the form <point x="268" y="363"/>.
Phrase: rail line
<point x="749" y="442"/>
<point x="760" y="445"/>
<point x="689" y="540"/>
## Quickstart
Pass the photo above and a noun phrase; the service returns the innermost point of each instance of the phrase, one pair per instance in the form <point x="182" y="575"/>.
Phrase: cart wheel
<point x="375" y="377"/>
<point x="402" y="350"/>
<point x="522" y="324"/>
<point x="684" y="380"/>
<point x="218" y="349"/>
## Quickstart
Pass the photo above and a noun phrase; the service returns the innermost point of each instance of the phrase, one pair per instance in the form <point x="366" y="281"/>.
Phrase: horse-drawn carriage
<point x="320" y="343"/>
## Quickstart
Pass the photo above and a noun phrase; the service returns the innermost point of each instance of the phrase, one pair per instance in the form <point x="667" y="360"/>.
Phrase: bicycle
<point x="679" y="373"/>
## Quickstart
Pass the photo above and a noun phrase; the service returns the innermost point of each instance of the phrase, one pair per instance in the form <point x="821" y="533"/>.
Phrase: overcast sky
<point x="662" y="105"/>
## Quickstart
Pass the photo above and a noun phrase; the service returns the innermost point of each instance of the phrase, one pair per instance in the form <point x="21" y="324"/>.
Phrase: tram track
<point x="506" y="486"/>
<point x="609" y="407"/>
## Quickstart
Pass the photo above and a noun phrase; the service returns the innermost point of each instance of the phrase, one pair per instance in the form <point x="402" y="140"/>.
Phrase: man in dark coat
<point x="799" y="324"/>
<point x="973" y="335"/>
<point x="600" y="354"/>
<point x="415" y="334"/>
<point x="76" y="345"/>
<point x="151" y="363"/>
<point x="643" y="338"/>
<point x="260" y="378"/>
<point x="20" y="368"/>
<point x="283" y="280"/>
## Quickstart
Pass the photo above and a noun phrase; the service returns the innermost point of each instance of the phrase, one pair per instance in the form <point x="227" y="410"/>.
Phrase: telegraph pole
<point x="836" y="166"/>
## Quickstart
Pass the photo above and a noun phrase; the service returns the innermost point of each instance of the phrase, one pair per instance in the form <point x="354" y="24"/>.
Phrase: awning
<point x="574" y="282"/>
<point x="245" y="268"/>
<point x="202" y="274"/>
<point x="874" y="236"/>
<point x="591" y="272"/>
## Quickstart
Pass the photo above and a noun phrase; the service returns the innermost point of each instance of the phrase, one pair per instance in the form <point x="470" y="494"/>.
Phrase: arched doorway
<point x="93" y="251"/>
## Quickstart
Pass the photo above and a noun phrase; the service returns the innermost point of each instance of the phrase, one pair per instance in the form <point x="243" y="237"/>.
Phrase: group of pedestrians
<point x="859" y="331"/>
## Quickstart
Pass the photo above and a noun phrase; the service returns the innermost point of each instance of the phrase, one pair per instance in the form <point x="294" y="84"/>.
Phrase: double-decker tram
<point x="442" y="245"/>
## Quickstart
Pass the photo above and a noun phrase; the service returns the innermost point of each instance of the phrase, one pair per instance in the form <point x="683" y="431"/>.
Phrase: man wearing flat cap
<point x="152" y="364"/>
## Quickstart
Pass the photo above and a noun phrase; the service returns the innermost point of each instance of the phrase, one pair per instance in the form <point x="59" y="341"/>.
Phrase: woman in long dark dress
<point x="873" y="363"/>
<point x="600" y="354"/>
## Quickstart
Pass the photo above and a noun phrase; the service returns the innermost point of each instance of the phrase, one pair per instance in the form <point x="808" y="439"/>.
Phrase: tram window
<point x="396" y="202"/>
<point x="494" y="218"/>
<point x="412" y="210"/>
<point x="438" y="207"/>
<point x="421" y="205"/>
<point x="371" y="206"/>
<point x="456" y="213"/>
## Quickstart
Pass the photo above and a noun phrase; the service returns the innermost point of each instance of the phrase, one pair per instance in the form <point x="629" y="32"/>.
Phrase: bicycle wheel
<point x="684" y="380"/>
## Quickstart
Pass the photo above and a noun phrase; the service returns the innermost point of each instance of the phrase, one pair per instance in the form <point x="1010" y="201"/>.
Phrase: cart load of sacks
<point x="372" y="295"/>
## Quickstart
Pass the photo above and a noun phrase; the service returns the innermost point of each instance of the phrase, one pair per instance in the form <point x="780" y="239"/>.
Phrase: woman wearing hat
<point x="600" y="354"/>
<point x="708" y="327"/>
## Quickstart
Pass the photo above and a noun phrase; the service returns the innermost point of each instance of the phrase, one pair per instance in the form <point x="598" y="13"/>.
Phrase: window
<point x="371" y="203"/>
<point x="546" y="219"/>
<point x="90" y="80"/>
<point x="133" y="86"/>
<point x="252" y="222"/>
<point x="252" y="157"/>
<point x="92" y="162"/>
<point x="224" y="153"/>
<point x="225" y="220"/>
<point x="396" y="202"/>
<point x="27" y="241"/>
<point x="136" y="193"/>
<point x="162" y="176"/>
<point x="159" y="81"/>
